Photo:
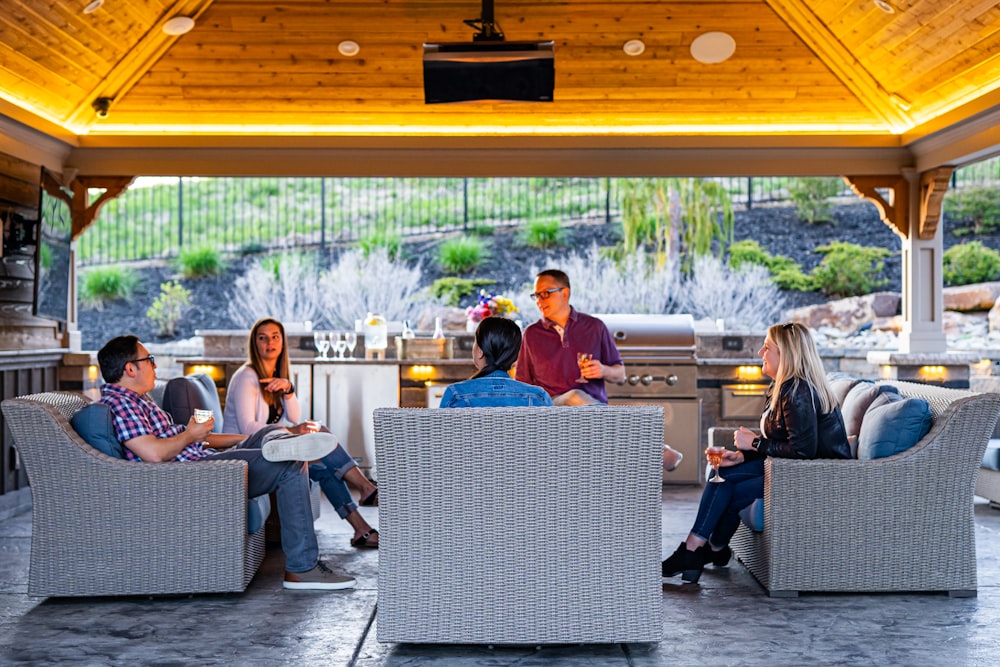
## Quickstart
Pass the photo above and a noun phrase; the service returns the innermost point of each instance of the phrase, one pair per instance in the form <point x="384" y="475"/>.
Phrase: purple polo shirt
<point x="548" y="360"/>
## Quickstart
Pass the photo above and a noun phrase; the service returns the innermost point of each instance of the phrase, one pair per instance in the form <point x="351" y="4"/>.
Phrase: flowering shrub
<point x="490" y="304"/>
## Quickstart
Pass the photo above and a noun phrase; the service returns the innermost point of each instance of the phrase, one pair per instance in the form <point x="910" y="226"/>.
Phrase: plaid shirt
<point x="136" y="414"/>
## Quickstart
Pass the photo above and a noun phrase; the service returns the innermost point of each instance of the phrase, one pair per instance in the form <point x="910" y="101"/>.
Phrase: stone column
<point x="922" y="304"/>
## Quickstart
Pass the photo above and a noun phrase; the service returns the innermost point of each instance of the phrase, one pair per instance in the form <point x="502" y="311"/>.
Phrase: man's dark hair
<point x="560" y="277"/>
<point x="115" y="354"/>
<point x="500" y="341"/>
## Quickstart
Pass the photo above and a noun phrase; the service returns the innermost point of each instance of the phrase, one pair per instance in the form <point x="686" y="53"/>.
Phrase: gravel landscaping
<point x="776" y="228"/>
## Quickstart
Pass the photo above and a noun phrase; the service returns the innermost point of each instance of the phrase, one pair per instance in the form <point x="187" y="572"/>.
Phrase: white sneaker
<point x="282" y="446"/>
<point x="320" y="578"/>
<point x="671" y="458"/>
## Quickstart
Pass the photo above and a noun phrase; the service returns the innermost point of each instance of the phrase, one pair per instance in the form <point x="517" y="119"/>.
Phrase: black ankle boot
<point x="688" y="564"/>
<point x="717" y="558"/>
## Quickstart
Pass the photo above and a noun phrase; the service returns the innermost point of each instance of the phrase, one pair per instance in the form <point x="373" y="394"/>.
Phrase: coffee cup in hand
<point x="202" y="416"/>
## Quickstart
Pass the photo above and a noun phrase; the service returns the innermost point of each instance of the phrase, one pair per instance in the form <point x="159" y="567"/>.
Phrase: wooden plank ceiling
<point x="266" y="67"/>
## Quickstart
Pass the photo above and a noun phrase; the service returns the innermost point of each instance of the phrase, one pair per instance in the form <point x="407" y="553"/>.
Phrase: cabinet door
<point x="344" y="396"/>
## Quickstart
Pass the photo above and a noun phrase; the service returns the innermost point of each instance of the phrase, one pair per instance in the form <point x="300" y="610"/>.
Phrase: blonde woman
<point x="801" y="420"/>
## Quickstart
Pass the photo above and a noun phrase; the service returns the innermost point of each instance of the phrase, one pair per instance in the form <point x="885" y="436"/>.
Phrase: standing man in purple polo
<point x="550" y="347"/>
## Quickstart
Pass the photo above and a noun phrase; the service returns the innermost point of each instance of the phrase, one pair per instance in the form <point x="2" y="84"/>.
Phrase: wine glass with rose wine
<point x="714" y="455"/>
<point x="582" y="359"/>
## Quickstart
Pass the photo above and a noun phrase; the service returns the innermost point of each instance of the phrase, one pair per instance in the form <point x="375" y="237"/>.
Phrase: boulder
<point x="847" y="314"/>
<point x="994" y="317"/>
<point x="893" y="324"/>
<point x="452" y="319"/>
<point x="980" y="296"/>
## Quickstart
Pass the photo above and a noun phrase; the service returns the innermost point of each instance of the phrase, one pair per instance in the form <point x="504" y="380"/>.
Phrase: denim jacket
<point x="495" y="390"/>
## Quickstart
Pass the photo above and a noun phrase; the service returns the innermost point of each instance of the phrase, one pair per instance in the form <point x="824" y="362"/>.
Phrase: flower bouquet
<point x="487" y="305"/>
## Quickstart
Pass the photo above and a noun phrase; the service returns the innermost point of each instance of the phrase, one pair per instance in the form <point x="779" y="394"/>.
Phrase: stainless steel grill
<point x="661" y="369"/>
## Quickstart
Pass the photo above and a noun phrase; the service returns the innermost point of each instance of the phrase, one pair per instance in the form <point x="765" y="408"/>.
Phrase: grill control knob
<point x="646" y="380"/>
<point x="672" y="379"/>
<point x="633" y="379"/>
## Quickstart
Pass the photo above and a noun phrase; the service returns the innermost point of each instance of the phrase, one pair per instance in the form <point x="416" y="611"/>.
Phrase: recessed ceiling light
<point x="178" y="25"/>
<point x="713" y="47"/>
<point x="885" y="6"/>
<point x="93" y="6"/>
<point x="634" y="47"/>
<point x="348" y="48"/>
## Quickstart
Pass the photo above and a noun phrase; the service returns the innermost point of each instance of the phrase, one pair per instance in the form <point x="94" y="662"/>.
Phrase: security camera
<point x="101" y="106"/>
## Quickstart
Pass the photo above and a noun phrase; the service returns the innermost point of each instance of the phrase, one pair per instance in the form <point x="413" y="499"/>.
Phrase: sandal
<point x="363" y="543"/>
<point x="371" y="500"/>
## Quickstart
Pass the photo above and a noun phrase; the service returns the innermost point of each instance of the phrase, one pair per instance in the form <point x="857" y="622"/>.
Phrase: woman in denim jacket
<point x="494" y="352"/>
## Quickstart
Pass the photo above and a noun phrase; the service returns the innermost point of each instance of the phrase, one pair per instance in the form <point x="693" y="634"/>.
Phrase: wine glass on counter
<point x="339" y="344"/>
<point x="714" y="455"/>
<point x="350" y="341"/>
<point x="322" y="342"/>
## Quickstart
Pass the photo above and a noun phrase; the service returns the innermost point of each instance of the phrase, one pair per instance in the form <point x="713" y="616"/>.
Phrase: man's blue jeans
<point x="329" y="472"/>
<point x="719" y="510"/>
<point x="290" y="482"/>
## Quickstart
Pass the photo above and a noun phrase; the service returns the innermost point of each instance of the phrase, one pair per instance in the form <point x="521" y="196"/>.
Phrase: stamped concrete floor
<point x="726" y="619"/>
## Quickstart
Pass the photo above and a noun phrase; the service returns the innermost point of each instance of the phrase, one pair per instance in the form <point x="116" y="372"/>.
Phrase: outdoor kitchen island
<point x="658" y="351"/>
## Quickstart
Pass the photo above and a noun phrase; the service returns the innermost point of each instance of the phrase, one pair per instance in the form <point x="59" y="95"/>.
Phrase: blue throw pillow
<point x="893" y="428"/>
<point x="93" y="423"/>
<point x="991" y="458"/>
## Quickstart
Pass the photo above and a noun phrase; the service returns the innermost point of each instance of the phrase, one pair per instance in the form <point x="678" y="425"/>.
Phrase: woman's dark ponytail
<point x="500" y="341"/>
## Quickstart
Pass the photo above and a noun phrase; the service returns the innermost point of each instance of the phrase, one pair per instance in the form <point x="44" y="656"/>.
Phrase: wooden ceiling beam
<point x="136" y="62"/>
<point x="844" y="65"/>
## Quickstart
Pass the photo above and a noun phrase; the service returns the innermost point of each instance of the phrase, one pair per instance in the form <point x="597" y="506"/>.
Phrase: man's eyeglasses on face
<point x="151" y="359"/>
<point x="545" y="294"/>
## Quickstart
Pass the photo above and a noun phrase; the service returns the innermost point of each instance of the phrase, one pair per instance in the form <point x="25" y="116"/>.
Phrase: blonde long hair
<point x="799" y="361"/>
<point x="254" y="361"/>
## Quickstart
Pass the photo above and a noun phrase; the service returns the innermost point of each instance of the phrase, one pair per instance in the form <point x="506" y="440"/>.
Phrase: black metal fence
<point x="160" y="217"/>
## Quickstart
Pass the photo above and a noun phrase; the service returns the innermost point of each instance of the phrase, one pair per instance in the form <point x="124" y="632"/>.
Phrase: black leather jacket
<point x="796" y="430"/>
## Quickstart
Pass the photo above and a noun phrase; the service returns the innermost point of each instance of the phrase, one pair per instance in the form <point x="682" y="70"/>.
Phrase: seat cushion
<point x="94" y="424"/>
<point x="858" y="401"/>
<point x="893" y="428"/>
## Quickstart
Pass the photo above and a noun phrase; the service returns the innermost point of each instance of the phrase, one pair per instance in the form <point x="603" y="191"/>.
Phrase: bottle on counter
<point x="438" y="331"/>
<point x="407" y="332"/>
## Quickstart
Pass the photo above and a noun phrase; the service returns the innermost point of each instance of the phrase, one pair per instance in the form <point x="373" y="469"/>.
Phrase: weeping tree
<point x="677" y="219"/>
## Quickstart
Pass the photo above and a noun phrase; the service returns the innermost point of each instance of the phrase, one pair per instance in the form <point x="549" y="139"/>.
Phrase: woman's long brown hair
<point x="255" y="362"/>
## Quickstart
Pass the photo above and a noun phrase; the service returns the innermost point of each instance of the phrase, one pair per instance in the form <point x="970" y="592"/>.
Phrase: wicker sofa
<point x="519" y="525"/>
<point x="105" y="526"/>
<point x="901" y="523"/>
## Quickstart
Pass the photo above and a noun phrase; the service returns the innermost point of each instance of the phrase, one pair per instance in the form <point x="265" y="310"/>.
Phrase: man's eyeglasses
<point x="151" y="359"/>
<point x="545" y="294"/>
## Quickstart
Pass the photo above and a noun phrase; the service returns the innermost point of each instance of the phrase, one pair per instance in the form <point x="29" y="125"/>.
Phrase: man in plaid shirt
<point x="275" y="458"/>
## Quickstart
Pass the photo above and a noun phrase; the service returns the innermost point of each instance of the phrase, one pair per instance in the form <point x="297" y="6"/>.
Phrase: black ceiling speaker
<point x="488" y="68"/>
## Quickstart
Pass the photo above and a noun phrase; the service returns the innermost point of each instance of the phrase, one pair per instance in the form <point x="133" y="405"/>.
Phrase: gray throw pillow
<point x="857" y="402"/>
<point x="893" y="428"/>
<point x="93" y="423"/>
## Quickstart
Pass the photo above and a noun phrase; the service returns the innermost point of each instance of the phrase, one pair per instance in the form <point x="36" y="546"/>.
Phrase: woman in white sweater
<point x="260" y="393"/>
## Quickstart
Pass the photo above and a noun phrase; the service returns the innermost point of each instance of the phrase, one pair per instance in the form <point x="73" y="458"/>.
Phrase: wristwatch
<point x="756" y="444"/>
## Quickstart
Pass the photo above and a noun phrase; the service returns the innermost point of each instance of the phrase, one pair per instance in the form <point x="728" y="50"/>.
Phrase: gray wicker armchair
<point x="901" y="523"/>
<point x="519" y="525"/>
<point x="105" y="526"/>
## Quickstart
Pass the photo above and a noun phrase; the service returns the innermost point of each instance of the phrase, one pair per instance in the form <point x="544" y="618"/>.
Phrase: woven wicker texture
<point x="104" y="526"/>
<point x="519" y="525"/>
<point x="901" y="523"/>
<point x="988" y="485"/>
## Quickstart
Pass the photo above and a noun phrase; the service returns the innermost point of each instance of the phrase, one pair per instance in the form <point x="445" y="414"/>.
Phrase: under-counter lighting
<point x="748" y="373"/>
<point x="933" y="373"/>
<point x="211" y="370"/>
<point x="421" y="372"/>
<point x="982" y="368"/>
